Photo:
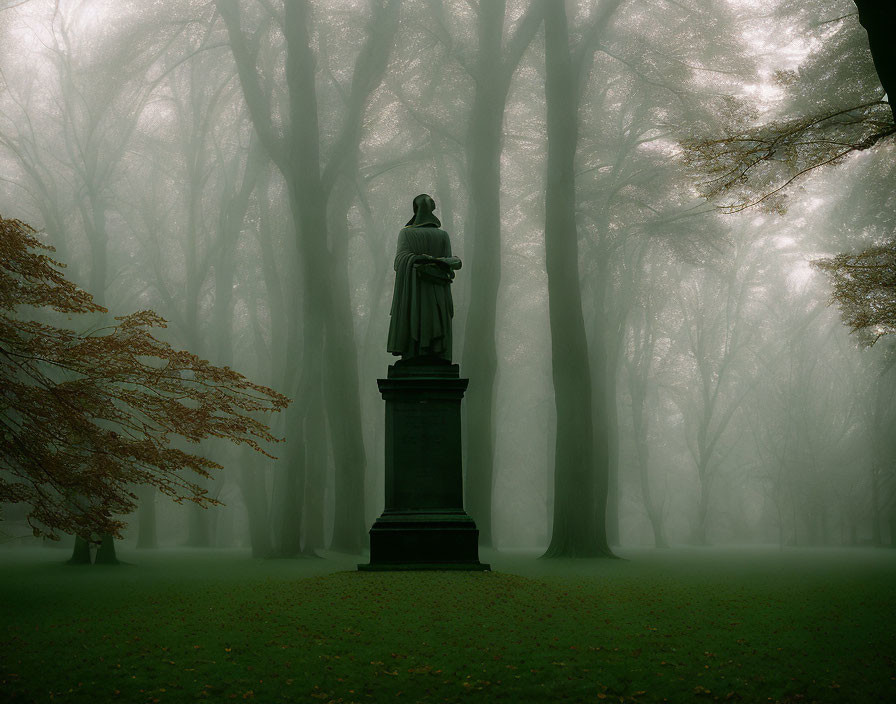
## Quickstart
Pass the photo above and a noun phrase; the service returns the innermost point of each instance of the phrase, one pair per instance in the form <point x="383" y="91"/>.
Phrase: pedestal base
<point x="424" y="526"/>
<point x="424" y="566"/>
<point x="424" y="540"/>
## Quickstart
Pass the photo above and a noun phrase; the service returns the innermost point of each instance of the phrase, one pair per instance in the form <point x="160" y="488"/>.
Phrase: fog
<point x="653" y="358"/>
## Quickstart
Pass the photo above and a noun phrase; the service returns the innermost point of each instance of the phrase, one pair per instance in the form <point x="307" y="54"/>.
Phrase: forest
<point x="676" y="312"/>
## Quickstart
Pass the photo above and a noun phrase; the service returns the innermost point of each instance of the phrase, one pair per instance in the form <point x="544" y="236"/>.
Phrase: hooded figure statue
<point x="422" y="307"/>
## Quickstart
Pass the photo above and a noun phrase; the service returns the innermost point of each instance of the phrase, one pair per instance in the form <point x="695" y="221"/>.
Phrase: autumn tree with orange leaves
<point x="86" y="417"/>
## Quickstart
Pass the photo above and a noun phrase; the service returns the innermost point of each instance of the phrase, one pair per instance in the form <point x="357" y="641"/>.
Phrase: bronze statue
<point x="422" y="307"/>
<point x="423" y="525"/>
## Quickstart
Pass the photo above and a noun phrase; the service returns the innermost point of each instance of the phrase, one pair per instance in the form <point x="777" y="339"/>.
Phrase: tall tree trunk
<point x="256" y="500"/>
<point x="878" y="18"/>
<point x="876" y="536"/>
<point x="283" y="342"/>
<point x="146" y="520"/>
<point x="287" y="531"/>
<point x="80" y="552"/>
<point x="316" y="462"/>
<point x="105" y="554"/>
<point x="292" y="481"/>
<point x="580" y="479"/>
<point x="483" y="252"/>
<point x="612" y="430"/>
<point x="482" y="247"/>
<point x="699" y="534"/>
<point x="198" y="531"/>
<point x="638" y="392"/>
<point x="605" y="367"/>
<point x="602" y="400"/>
<point x="342" y="400"/>
<point x="891" y="522"/>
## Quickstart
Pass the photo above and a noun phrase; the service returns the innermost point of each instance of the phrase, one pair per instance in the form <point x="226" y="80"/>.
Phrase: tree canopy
<point x="835" y="105"/>
<point x="88" y="416"/>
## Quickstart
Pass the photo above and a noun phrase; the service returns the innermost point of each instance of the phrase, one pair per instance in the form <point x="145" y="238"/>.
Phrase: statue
<point x="422" y="308"/>
<point x="423" y="525"/>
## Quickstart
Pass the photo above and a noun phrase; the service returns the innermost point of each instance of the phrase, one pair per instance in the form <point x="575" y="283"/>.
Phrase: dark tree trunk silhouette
<point x="146" y="519"/>
<point x="638" y="366"/>
<point x="80" y="552"/>
<point x="580" y="478"/>
<point x="105" y="553"/>
<point x="878" y="17"/>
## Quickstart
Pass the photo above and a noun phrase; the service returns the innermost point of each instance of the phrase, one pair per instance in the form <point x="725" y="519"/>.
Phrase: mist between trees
<point x="645" y="368"/>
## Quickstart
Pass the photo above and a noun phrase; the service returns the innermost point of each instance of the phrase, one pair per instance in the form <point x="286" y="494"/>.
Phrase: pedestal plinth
<point x="424" y="525"/>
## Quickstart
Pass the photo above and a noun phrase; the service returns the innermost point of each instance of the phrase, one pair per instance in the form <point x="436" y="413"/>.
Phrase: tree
<point x="865" y="289"/>
<point x="73" y="159"/>
<point x="580" y="464"/>
<point x="329" y="367"/>
<point x="492" y="72"/>
<point x="88" y="416"/>
<point x="638" y="361"/>
<point x="715" y="331"/>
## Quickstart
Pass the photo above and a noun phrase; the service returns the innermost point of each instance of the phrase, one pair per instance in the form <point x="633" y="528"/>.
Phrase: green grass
<point x="679" y="625"/>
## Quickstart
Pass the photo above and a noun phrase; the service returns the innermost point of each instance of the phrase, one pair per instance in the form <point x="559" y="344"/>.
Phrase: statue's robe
<point x="422" y="307"/>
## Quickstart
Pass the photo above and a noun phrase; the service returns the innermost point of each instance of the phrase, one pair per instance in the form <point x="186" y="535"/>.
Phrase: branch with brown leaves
<point x="85" y="417"/>
<point x="865" y="290"/>
<point x="757" y="166"/>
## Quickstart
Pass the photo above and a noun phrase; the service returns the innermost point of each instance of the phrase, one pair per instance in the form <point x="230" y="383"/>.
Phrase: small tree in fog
<point x="715" y="333"/>
<point x="87" y="416"/>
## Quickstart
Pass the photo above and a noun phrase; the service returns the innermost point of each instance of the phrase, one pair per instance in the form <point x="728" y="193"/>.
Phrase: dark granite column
<point x="424" y="525"/>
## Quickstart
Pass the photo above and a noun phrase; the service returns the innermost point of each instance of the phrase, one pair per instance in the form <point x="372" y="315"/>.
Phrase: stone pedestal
<point x="424" y="525"/>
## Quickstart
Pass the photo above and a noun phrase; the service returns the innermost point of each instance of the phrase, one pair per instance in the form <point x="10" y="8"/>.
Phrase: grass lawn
<point x="682" y="625"/>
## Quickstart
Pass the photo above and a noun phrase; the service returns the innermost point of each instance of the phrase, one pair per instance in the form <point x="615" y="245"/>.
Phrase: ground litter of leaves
<point x="678" y="625"/>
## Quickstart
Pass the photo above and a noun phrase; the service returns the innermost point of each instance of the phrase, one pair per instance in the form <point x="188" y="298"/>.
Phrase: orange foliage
<point x="85" y="417"/>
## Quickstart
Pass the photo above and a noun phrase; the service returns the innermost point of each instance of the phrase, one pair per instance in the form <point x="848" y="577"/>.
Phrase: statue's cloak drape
<point x="422" y="307"/>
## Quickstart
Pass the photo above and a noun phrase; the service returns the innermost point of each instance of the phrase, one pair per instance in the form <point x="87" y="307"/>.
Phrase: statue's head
<point x="425" y="201"/>
<point x="424" y="206"/>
